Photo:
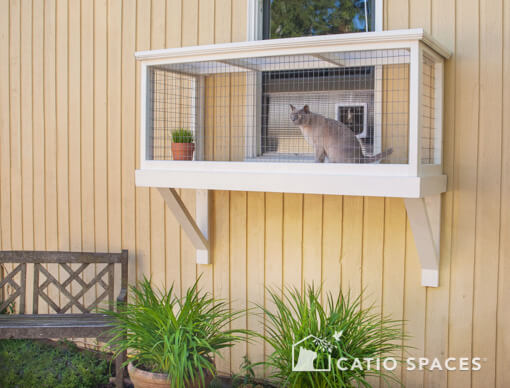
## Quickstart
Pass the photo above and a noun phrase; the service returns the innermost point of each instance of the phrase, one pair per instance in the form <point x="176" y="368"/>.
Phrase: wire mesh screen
<point x="430" y="136"/>
<point x="345" y="107"/>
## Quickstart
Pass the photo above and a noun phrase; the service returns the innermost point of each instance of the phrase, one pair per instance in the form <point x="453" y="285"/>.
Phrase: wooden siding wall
<point x="69" y="146"/>
<point x="395" y="112"/>
<point x="225" y="116"/>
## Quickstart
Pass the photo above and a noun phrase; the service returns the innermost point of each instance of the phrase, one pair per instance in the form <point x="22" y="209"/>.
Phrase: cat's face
<point x="301" y="116"/>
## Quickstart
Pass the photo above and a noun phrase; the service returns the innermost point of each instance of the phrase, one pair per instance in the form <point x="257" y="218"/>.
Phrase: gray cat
<point x="332" y="139"/>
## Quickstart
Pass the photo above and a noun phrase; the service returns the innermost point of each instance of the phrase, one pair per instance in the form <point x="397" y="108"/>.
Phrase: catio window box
<point x="385" y="86"/>
<point x="350" y="114"/>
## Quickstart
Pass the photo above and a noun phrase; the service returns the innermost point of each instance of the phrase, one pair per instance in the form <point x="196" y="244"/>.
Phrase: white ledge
<point x="287" y="45"/>
<point x="313" y="183"/>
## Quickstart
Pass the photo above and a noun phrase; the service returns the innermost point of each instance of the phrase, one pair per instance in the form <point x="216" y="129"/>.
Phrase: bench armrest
<point x="122" y="298"/>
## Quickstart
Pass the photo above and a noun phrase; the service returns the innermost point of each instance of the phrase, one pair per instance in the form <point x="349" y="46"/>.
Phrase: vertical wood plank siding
<point x="69" y="122"/>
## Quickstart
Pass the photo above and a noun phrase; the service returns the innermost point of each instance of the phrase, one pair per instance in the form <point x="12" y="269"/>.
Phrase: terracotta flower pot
<point x="183" y="151"/>
<point x="144" y="379"/>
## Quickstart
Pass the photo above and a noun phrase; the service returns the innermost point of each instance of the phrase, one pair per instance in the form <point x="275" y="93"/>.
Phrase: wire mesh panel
<point x="430" y="135"/>
<point x="343" y="107"/>
<point x="173" y="103"/>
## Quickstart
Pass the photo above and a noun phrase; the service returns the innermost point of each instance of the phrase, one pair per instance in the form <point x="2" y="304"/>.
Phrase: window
<point x="293" y="18"/>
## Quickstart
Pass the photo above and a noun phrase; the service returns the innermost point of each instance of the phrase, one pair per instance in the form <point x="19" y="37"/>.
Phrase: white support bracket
<point x="425" y="218"/>
<point x="198" y="230"/>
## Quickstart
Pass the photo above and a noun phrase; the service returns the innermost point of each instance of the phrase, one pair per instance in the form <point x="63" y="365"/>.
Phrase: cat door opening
<point x="354" y="115"/>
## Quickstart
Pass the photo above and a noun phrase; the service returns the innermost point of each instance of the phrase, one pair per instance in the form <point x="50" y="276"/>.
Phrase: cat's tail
<point x="378" y="157"/>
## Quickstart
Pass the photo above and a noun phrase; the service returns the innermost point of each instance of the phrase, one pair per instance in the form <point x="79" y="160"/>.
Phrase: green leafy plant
<point x="32" y="363"/>
<point x="182" y="135"/>
<point x="247" y="375"/>
<point x="342" y="329"/>
<point x="247" y="379"/>
<point x="174" y="335"/>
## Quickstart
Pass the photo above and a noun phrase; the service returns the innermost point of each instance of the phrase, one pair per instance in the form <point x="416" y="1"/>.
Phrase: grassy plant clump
<point x="182" y="135"/>
<point x="28" y="364"/>
<point x="174" y="335"/>
<point x="342" y="330"/>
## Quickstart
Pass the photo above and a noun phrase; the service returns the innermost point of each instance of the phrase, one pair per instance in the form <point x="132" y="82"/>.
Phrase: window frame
<point x="255" y="18"/>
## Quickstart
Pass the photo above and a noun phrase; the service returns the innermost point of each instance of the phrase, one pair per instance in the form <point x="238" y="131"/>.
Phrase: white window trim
<point x="256" y="13"/>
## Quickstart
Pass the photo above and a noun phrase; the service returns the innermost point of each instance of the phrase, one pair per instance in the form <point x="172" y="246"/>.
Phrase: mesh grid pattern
<point x="430" y="150"/>
<point x="239" y="109"/>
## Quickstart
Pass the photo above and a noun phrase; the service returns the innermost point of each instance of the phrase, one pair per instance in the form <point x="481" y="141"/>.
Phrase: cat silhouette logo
<point x="307" y="358"/>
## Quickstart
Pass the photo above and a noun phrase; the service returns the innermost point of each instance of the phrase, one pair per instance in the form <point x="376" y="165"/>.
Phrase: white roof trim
<point x="263" y="46"/>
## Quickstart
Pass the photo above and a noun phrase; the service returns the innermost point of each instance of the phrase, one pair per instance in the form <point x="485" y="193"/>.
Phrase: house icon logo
<point x="306" y="357"/>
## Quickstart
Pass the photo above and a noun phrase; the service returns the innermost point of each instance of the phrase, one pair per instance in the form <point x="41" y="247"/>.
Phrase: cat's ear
<point x="306" y="109"/>
<point x="292" y="107"/>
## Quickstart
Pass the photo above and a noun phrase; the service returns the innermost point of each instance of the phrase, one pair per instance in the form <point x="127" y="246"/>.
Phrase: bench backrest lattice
<point x="17" y="285"/>
<point x="75" y="286"/>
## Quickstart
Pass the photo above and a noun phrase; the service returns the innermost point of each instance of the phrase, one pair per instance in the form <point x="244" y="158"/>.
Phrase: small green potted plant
<point x="182" y="144"/>
<point x="172" y="340"/>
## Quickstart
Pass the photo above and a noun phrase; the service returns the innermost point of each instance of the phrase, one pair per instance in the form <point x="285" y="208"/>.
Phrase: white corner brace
<point x="198" y="230"/>
<point x="425" y="219"/>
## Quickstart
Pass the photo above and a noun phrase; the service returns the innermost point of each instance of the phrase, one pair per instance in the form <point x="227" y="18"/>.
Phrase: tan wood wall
<point x="395" y="112"/>
<point x="69" y="146"/>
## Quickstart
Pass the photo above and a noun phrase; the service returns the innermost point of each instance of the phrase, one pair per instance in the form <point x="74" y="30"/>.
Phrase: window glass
<point x="293" y="18"/>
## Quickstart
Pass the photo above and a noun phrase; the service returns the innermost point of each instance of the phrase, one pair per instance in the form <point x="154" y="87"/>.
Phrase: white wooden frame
<point x="425" y="219"/>
<point x="378" y="74"/>
<point x="225" y="175"/>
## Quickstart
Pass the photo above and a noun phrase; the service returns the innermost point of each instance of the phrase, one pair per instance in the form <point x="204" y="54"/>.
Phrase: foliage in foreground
<point x="247" y="378"/>
<point x="364" y="334"/>
<point x="28" y="364"/>
<point x="173" y="335"/>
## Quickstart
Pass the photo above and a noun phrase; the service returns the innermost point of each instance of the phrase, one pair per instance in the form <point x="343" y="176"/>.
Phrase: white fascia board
<point x="326" y="169"/>
<point x="380" y="186"/>
<point x="287" y="46"/>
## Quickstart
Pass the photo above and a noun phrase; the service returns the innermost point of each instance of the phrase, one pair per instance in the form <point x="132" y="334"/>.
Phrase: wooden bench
<point x="73" y="288"/>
